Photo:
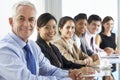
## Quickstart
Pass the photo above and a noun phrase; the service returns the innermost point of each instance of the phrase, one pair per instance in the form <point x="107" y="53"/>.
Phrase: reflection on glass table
<point x="104" y="69"/>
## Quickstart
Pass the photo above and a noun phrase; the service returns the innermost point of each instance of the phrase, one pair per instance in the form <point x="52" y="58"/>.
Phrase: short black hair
<point x="93" y="17"/>
<point x="80" y="16"/>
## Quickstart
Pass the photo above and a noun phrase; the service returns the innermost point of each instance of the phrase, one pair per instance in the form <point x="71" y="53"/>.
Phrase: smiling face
<point x="23" y="22"/>
<point x="108" y="26"/>
<point x="81" y="26"/>
<point x="68" y="29"/>
<point x="48" y="31"/>
<point x="94" y="26"/>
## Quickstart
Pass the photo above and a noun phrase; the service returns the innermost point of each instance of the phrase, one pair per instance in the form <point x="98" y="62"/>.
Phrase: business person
<point x="94" y="23"/>
<point x="46" y="26"/>
<point x="80" y="28"/>
<point x="106" y="39"/>
<point x="21" y="58"/>
<point x="67" y="46"/>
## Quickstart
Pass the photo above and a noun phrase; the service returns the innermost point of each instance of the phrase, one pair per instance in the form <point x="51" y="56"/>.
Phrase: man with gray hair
<point x="21" y="58"/>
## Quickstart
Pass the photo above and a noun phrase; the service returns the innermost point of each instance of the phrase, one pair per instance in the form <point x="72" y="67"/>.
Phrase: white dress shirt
<point x="96" y="49"/>
<point x="77" y="40"/>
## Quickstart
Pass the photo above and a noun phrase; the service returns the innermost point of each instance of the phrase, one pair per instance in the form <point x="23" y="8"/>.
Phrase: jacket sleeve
<point x="70" y="65"/>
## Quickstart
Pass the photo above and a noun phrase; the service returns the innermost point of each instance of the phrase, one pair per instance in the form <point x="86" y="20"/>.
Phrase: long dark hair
<point x="106" y="19"/>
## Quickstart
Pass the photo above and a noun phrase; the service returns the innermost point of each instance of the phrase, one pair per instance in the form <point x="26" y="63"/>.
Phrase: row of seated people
<point x="23" y="58"/>
<point x="78" y="30"/>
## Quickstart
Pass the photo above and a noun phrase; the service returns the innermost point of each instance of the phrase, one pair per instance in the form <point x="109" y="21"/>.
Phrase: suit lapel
<point x="73" y="53"/>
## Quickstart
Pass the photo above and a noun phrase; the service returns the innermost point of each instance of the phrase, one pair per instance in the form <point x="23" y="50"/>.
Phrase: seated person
<point x="21" y="58"/>
<point x="46" y="26"/>
<point x="67" y="46"/>
<point x="80" y="28"/>
<point x="106" y="39"/>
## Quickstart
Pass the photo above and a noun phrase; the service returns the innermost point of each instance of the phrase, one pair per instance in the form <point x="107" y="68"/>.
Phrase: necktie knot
<point x="26" y="47"/>
<point x="30" y="59"/>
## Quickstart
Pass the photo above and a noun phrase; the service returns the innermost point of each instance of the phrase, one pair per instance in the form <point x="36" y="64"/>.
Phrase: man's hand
<point x="78" y="74"/>
<point x="75" y="74"/>
<point x="87" y="71"/>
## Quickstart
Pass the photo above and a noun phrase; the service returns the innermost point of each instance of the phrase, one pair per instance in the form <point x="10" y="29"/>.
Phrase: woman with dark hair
<point x="67" y="46"/>
<point x="106" y="39"/>
<point x="46" y="26"/>
<point x="78" y="37"/>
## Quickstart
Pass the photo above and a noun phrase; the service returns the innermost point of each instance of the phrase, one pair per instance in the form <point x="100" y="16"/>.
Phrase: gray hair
<point x="24" y="2"/>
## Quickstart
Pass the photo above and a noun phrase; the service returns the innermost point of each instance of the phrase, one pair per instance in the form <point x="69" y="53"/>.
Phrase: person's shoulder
<point x="9" y="46"/>
<point x="98" y="35"/>
<point x="58" y="40"/>
<point x="3" y="44"/>
<point x="54" y="46"/>
<point x="113" y="33"/>
<point x="32" y="43"/>
<point x="7" y="41"/>
<point x="74" y="37"/>
<point x="34" y="46"/>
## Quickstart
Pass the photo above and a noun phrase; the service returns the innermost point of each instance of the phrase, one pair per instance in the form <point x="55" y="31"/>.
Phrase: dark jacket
<point x="65" y="64"/>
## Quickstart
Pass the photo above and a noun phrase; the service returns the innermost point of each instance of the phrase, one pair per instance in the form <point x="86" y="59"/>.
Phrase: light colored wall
<point x="5" y="7"/>
<point x="100" y="7"/>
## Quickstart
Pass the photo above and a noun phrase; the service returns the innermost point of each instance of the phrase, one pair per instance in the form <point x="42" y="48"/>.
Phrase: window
<point x="100" y="7"/>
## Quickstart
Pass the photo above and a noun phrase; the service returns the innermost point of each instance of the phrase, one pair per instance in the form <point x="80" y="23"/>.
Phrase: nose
<point x="52" y="29"/>
<point x="83" y="27"/>
<point x="69" y="29"/>
<point x="26" y="23"/>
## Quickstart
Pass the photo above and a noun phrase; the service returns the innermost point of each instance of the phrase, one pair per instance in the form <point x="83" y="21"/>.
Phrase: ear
<point x="11" y="21"/>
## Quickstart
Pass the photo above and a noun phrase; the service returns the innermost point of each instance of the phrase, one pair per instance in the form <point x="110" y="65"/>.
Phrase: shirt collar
<point x="17" y="39"/>
<point x="89" y="34"/>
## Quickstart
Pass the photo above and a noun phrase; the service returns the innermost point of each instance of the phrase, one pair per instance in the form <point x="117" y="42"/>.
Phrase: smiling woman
<point x="61" y="8"/>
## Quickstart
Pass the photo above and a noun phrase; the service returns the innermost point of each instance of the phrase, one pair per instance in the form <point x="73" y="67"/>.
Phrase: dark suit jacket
<point x="49" y="54"/>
